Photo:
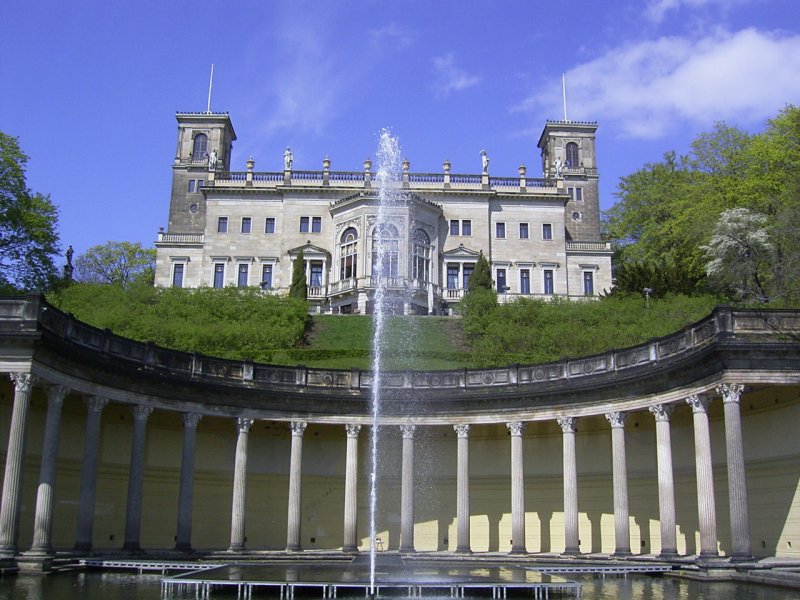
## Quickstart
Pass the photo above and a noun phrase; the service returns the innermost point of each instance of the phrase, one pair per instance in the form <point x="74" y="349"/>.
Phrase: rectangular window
<point x="269" y="226"/>
<point x="177" y="275"/>
<point x="200" y="184"/>
<point x="452" y="277"/>
<point x="524" y="281"/>
<point x="454" y="227"/>
<point x="547" y="231"/>
<point x="316" y="224"/>
<point x="548" y="282"/>
<point x="523" y="231"/>
<point x="501" y="281"/>
<point x="588" y="283"/>
<point x="247" y="223"/>
<point x="575" y="194"/>
<point x="466" y="227"/>
<point x="222" y="225"/>
<point x="192" y="183"/>
<point x="244" y="272"/>
<point x="500" y="230"/>
<point x="303" y="224"/>
<point x="266" y="277"/>
<point x="467" y="270"/>
<point x="316" y="274"/>
<point x="219" y="275"/>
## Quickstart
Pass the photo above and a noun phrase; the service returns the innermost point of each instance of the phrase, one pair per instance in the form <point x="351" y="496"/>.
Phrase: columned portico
<point x="571" y="540"/>
<point x="91" y="446"/>
<point x="295" y="473"/>
<point x="243" y="425"/>
<point x="350" y="543"/>
<point x="622" y="528"/>
<point x="133" y="512"/>
<point x="407" y="490"/>
<point x="15" y="457"/>
<point x="737" y="482"/>
<point x="706" y="506"/>
<point x="183" y="539"/>
<point x="462" y="487"/>
<point x="43" y="521"/>
<point x="517" y="489"/>
<point x="666" y="487"/>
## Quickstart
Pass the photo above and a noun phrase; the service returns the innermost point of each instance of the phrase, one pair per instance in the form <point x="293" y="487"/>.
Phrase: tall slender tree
<point x="298" y="287"/>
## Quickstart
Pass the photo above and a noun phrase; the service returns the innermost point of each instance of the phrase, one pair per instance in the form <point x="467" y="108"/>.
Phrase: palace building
<point x="541" y="235"/>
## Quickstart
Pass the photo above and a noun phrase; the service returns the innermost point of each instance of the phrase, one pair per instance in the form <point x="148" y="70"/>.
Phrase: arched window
<point x="385" y="251"/>
<point x="200" y="147"/>
<point x="422" y="256"/>
<point x="348" y="254"/>
<point x="572" y="155"/>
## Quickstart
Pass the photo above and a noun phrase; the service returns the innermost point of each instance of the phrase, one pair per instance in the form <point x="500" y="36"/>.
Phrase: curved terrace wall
<point x="756" y="348"/>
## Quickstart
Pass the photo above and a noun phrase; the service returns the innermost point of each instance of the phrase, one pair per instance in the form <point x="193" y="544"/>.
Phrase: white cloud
<point x="392" y="35"/>
<point x="450" y="78"/>
<point x="655" y="10"/>
<point x="644" y="89"/>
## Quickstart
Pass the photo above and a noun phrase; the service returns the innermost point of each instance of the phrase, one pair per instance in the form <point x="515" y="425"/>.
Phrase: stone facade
<point x="245" y="228"/>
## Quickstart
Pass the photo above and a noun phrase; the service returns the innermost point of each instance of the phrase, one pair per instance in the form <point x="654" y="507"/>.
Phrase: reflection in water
<point x="124" y="586"/>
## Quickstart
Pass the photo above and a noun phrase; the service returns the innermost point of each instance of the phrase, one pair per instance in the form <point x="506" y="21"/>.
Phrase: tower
<point x="205" y="141"/>
<point x="569" y="146"/>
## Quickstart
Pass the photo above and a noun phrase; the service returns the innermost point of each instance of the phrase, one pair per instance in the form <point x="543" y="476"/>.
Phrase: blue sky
<point x="91" y="87"/>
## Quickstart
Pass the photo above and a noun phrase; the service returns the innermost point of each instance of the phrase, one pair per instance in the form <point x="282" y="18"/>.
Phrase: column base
<point x="571" y="552"/>
<point x="83" y="548"/>
<point x="35" y="562"/>
<point x="185" y="548"/>
<point x="406" y="550"/>
<point x="463" y="550"/>
<point x="297" y="548"/>
<point x="8" y="564"/>
<point x="622" y="553"/>
<point x="668" y="554"/>
<point x="350" y="549"/>
<point x="236" y="548"/>
<point x="518" y="550"/>
<point x="742" y="557"/>
<point x="132" y="548"/>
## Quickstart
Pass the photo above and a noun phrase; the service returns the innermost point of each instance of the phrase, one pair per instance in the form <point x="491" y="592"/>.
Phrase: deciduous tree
<point x="117" y="263"/>
<point x="28" y="235"/>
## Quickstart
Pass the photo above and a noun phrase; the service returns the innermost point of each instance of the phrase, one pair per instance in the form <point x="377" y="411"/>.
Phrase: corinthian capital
<point x="698" y="403"/>
<point x="462" y="430"/>
<point x="730" y="392"/>
<point x="516" y="427"/>
<point x="298" y="427"/>
<point x="567" y="424"/>
<point x="661" y="412"/>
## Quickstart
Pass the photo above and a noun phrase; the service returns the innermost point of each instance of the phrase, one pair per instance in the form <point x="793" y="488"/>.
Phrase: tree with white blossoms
<point x="740" y="255"/>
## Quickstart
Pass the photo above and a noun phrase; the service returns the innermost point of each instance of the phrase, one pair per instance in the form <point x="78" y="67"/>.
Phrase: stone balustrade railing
<point x="365" y="179"/>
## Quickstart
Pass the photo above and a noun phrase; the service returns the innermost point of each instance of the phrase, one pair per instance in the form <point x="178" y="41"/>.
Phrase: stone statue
<point x="212" y="159"/>
<point x="559" y="167"/>
<point x="484" y="162"/>
<point x="288" y="160"/>
<point x="69" y="254"/>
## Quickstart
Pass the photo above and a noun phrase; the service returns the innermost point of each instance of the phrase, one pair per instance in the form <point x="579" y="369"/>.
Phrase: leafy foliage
<point x="117" y="263"/>
<point x="239" y="323"/>
<point x="535" y="331"/>
<point x="667" y="212"/>
<point x="28" y="236"/>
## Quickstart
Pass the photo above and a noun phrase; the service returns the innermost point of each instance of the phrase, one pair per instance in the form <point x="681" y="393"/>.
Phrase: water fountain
<point x="389" y="195"/>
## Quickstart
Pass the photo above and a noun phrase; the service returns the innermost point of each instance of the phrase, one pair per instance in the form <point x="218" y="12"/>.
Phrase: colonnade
<point x="43" y="519"/>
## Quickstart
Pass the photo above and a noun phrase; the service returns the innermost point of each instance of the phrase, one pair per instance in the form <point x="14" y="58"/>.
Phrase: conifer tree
<point x="481" y="277"/>
<point x="298" y="288"/>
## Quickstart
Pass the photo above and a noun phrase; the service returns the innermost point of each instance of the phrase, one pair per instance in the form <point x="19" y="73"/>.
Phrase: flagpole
<point x="210" y="84"/>
<point x="564" y="94"/>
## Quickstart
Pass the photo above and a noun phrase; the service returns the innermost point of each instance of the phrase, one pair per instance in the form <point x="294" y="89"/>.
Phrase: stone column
<point x="91" y="447"/>
<point x="705" y="477"/>
<point x="666" y="487"/>
<point x="407" y="490"/>
<point x="737" y="483"/>
<point x="622" y="528"/>
<point x="351" y="490"/>
<point x="462" y="502"/>
<point x="186" y="491"/>
<point x="43" y="521"/>
<point x="517" y="489"/>
<point x="239" y="485"/>
<point x="15" y="458"/>
<point x="295" y="474"/>
<point x="133" y="512"/>
<point x="571" y="541"/>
